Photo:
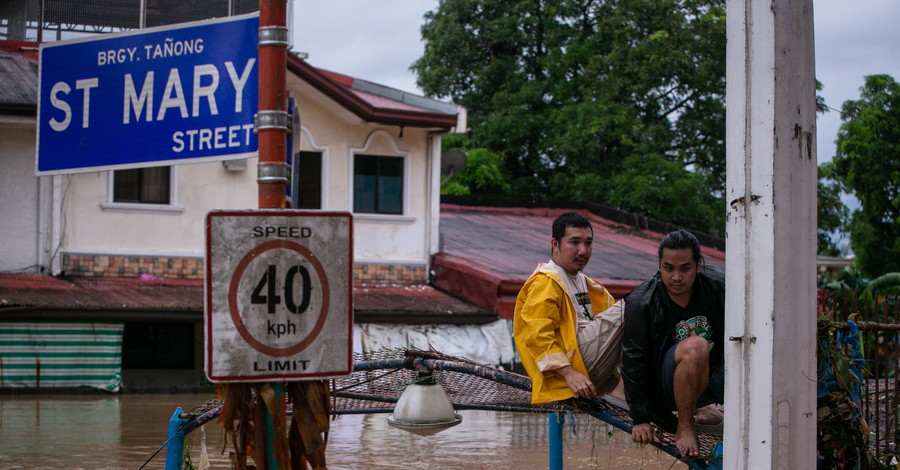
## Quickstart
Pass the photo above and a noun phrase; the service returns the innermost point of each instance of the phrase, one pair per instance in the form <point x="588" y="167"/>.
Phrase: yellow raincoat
<point x="544" y="329"/>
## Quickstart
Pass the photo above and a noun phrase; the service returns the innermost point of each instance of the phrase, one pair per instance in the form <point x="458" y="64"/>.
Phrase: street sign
<point x="182" y="93"/>
<point x="278" y="295"/>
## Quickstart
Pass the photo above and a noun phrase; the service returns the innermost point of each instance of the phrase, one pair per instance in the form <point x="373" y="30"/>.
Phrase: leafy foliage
<point x="888" y="283"/>
<point x="849" y="279"/>
<point x="833" y="214"/>
<point x="483" y="174"/>
<point x="868" y="164"/>
<point x="619" y="102"/>
<point x="874" y="302"/>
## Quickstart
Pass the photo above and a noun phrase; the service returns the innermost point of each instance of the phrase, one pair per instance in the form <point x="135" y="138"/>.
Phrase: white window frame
<point x="395" y="152"/>
<point x="173" y="207"/>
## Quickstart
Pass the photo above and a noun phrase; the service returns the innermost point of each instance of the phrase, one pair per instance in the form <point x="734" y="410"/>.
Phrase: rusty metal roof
<point x="489" y="251"/>
<point x="18" y="83"/>
<point x="375" y="103"/>
<point x="92" y="293"/>
<point x="28" y="296"/>
<point x="413" y="304"/>
<point x="511" y="241"/>
<point x="36" y="297"/>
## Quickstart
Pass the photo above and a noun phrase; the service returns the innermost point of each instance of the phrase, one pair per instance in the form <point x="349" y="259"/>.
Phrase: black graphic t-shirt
<point x="695" y="326"/>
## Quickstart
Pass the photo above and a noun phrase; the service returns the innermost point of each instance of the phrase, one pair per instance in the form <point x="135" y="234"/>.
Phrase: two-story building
<point x="127" y="246"/>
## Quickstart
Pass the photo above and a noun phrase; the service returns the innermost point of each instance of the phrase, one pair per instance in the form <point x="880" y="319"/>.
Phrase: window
<point x="143" y="185"/>
<point x="307" y="175"/>
<point x="377" y="184"/>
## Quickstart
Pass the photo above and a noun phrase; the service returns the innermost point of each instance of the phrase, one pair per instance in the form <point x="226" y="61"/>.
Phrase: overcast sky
<point x="379" y="40"/>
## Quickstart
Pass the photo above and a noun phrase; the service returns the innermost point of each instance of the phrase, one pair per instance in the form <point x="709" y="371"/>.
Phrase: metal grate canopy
<point x="19" y="19"/>
<point x="379" y="378"/>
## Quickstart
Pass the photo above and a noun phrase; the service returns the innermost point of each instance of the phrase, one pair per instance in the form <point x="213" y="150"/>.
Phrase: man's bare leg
<point x="691" y="377"/>
<point x="619" y="391"/>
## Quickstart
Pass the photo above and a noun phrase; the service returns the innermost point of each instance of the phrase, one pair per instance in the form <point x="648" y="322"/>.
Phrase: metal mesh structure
<point x="19" y="19"/>
<point x="379" y="378"/>
<point x="64" y="19"/>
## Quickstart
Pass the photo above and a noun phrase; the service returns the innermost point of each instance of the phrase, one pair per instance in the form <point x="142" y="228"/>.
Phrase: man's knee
<point x="692" y="349"/>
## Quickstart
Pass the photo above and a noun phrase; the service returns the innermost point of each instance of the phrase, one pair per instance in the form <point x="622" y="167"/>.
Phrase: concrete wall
<point x="770" y="304"/>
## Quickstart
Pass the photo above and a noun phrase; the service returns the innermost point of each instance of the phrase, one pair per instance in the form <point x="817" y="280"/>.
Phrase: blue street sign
<point x="183" y="93"/>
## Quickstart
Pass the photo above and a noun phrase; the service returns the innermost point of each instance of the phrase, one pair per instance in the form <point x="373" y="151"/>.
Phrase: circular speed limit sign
<point x="278" y="295"/>
<point x="288" y="288"/>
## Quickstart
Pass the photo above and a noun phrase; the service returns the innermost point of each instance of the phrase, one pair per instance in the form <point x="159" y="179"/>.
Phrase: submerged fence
<point x="877" y="318"/>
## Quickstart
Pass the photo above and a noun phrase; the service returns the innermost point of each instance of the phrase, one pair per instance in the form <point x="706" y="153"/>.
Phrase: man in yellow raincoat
<point x="567" y="327"/>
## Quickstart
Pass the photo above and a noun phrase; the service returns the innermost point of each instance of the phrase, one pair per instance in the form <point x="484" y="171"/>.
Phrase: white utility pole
<point x="770" y="400"/>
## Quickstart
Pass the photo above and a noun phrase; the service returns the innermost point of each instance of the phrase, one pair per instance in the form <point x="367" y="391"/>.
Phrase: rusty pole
<point x="272" y="124"/>
<point x="272" y="121"/>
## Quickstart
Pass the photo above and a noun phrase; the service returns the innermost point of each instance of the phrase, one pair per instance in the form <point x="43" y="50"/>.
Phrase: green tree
<point x="833" y="214"/>
<point x="867" y="164"/>
<point x="483" y="173"/>
<point x="577" y="93"/>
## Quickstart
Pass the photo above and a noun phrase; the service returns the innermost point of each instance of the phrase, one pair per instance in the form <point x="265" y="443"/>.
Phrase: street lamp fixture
<point x="424" y="408"/>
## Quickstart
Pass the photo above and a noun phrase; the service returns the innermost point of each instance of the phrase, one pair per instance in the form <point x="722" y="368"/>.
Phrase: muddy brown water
<point x="123" y="431"/>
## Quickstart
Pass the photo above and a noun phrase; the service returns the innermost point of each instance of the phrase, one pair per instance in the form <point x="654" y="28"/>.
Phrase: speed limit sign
<point x="278" y="295"/>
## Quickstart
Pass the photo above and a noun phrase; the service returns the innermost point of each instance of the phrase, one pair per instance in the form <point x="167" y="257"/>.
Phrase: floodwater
<point x="123" y="431"/>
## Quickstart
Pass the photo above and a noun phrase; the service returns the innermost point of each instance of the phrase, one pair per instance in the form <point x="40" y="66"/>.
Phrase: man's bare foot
<point x="686" y="441"/>
<point x="708" y="415"/>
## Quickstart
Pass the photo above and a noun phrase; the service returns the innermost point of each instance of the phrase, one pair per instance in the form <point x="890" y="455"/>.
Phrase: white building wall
<point x="20" y="193"/>
<point x="93" y="225"/>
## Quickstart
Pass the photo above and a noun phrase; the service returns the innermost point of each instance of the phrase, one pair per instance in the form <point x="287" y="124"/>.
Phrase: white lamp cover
<point x="424" y="410"/>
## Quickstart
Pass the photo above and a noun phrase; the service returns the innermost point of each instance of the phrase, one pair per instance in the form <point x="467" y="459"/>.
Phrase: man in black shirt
<point x="673" y="345"/>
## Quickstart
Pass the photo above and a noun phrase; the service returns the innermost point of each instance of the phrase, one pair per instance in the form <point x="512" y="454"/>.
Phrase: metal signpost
<point x="278" y="295"/>
<point x="183" y="93"/>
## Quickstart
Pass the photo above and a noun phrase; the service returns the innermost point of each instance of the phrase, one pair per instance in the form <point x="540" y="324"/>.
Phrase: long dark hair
<point x="679" y="240"/>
